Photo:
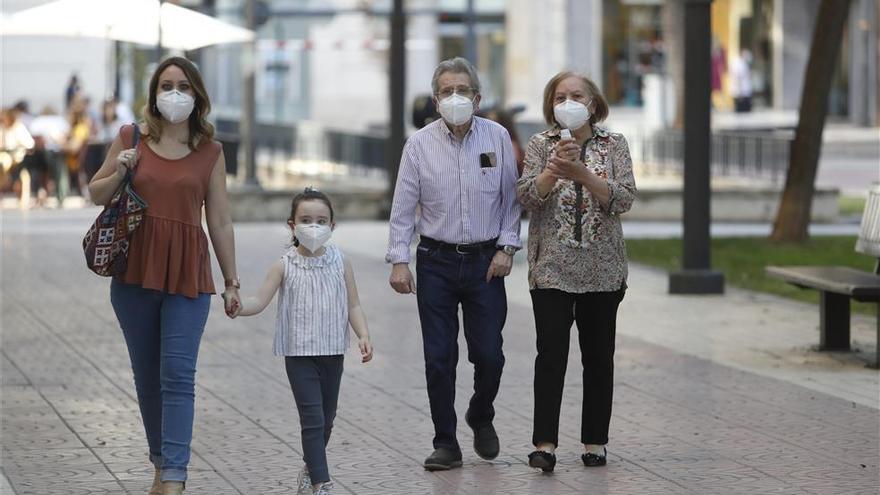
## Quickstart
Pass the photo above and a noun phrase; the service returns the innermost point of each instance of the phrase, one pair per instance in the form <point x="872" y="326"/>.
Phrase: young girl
<point x="317" y="301"/>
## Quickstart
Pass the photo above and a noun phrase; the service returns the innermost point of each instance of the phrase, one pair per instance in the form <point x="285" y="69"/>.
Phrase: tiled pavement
<point x="682" y="423"/>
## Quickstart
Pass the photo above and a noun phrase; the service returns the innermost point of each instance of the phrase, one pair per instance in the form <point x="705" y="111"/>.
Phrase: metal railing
<point x="753" y="154"/>
<point x="309" y="142"/>
<point x="760" y="155"/>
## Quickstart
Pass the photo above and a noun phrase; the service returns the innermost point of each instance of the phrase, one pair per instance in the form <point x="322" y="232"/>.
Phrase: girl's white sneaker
<point x="325" y="489"/>
<point x="303" y="482"/>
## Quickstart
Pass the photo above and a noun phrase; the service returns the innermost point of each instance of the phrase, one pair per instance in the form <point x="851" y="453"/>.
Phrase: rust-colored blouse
<point x="169" y="252"/>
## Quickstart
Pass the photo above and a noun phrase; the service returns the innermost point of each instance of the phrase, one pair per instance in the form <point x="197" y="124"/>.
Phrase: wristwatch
<point x="233" y="282"/>
<point x="509" y="250"/>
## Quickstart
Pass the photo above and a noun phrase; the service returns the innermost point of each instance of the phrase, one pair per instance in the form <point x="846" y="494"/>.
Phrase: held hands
<point x="366" y="349"/>
<point x="402" y="279"/>
<point x="564" y="163"/>
<point x="231" y="302"/>
<point x="500" y="266"/>
<point x="126" y="160"/>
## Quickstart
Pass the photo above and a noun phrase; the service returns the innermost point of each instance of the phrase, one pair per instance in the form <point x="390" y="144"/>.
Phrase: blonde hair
<point x="599" y="102"/>
<point x="199" y="128"/>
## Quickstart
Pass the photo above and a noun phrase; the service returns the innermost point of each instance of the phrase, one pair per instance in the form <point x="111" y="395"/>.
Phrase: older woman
<point x="575" y="188"/>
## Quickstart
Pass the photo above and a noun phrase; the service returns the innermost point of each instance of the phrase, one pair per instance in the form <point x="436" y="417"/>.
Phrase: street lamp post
<point x="696" y="275"/>
<point x="396" y="95"/>
<point x="470" y="44"/>
<point x="249" y="104"/>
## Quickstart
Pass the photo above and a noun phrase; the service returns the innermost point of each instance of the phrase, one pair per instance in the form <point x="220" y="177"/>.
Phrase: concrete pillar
<point x="793" y="23"/>
<point x="546" y="37"/>
<point x="584" y="38"/>
<point x="422" y="54"/>
<point x="863" y="80"/>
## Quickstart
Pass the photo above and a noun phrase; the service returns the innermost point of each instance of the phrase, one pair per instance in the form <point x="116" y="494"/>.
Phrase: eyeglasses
<point x="465" y="91"/>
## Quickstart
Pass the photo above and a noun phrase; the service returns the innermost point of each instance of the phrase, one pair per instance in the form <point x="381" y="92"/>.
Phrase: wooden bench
<point x="838" y="284"/>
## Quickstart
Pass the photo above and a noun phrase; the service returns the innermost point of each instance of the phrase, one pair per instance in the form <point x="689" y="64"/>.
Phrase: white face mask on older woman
<point x="571" y="114"/>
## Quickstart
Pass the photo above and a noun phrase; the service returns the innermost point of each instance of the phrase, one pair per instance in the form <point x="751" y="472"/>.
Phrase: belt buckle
<point x="458" y="249"/>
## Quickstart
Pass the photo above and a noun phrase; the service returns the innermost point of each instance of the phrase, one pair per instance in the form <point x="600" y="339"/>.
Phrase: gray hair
<point x="457" y="65"/>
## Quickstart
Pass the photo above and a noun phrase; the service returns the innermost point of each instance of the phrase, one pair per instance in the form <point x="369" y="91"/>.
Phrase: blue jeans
<point x="162" y="332"/>
<point x="445" y="280"/>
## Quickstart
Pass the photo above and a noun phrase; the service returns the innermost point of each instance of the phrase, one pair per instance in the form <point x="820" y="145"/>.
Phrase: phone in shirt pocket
<point x="488" y="160"/>
<point x="491" y="173"/>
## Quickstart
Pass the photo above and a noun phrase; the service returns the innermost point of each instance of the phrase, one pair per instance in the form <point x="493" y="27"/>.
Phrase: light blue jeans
<point x="162" y="332"/>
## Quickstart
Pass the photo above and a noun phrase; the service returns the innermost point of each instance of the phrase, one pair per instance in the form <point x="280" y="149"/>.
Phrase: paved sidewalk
<point x="713" y="394"/>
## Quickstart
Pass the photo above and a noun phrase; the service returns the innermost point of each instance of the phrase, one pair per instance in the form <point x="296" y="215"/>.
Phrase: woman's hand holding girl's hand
<point x="126" y="160"/>
<point x="366" y="349"/>
<point x="231" y="302"/>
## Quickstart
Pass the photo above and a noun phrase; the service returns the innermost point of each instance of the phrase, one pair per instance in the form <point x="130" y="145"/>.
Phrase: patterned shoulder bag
<point x="107" y="242"/>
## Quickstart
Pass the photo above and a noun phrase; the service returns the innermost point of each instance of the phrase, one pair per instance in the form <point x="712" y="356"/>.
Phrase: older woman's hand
<point x="567" y="148"/>
<point x="563" y="168"/>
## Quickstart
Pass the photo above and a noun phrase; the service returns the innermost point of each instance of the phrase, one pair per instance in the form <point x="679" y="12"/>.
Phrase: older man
<point x="461" y="172"/>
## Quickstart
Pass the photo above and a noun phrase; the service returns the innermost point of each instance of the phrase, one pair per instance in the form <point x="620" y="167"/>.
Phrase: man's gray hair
<point x="457" y="65"/>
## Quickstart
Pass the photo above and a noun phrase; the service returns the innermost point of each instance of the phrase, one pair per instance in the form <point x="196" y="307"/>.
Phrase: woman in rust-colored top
<point x="162" y="299"/>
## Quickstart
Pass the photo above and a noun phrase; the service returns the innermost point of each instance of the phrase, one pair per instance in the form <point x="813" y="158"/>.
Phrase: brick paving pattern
<point x="681" y="424"/>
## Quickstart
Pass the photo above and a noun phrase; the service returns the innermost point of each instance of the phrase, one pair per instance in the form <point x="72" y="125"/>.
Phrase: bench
<point x="838" y="284"/>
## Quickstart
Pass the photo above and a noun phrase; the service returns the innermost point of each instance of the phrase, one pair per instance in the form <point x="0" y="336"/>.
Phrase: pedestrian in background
<point x="106" y="130"/>
<point x="77" y="138"/>
<point x="15" y="144"/>
<point x="50" y="133"/>
<point x="460" y="172"/>
<point x="575" y="188"/>
<point x="505" y="118"/>
<point x="73" y="88"/>
<point x="317" y="301"/>
<point x="162" y="299"/>
<point x="741" y="82"/>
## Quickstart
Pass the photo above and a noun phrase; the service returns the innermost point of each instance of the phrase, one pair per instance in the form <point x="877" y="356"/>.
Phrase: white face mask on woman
<point x="571" y="114"/>
<point x="312" y="236"/>
<point x="456" y="109"/>
<point x="175" y="106"/>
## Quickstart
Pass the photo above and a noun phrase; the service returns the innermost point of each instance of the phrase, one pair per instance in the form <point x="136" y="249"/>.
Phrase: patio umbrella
<point x="134" y="21"/>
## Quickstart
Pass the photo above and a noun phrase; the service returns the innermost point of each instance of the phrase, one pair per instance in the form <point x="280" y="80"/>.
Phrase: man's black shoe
<point x="485" y="440"/>
<point x="443" y="459"/>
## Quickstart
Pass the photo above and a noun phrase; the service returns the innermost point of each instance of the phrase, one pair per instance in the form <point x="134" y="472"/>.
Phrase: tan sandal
<point x="172" y="488"/>
<point x="156" y="489"/>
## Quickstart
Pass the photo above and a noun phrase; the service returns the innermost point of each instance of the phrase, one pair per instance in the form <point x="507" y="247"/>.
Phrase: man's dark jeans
<point x="446" y="279"/>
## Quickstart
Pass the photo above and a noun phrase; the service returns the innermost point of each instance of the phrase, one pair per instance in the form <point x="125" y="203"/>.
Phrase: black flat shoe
<point x="545" y="461"/>
<point x="485" y="441"/>
<point x="593" y="460"/>
<point x="443" y="460"/>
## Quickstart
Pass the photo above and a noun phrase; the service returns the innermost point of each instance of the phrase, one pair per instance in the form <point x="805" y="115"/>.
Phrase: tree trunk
<point x="673" y="38"/>
<point x="793" y="218"/>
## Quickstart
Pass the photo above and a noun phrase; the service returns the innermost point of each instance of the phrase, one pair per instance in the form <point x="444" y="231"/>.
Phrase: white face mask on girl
<point x="312" y="236"/>
<point x="456" y="109"/>
<point x="571" y="114"/>
<point x="175" y="106"/>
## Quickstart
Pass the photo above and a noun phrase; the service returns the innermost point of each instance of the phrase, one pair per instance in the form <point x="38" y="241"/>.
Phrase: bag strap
<point x="135" y="140"/>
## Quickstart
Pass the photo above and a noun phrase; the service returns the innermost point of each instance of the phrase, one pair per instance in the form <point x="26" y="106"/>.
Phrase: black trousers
<point x="596" y="317"/>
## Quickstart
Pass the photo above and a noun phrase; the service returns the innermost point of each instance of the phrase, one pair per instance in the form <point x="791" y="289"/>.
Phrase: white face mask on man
<point x="456" y="109"/>
<point x="571" y="114"/>
<point x="312" y="236"/>
<point x="175" y="106"/>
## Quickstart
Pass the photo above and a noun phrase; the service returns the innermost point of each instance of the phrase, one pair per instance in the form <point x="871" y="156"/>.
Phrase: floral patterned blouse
<point x="575" y="244"/>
